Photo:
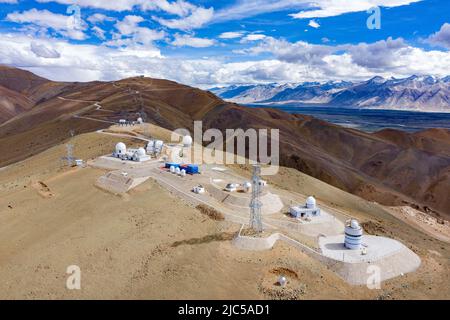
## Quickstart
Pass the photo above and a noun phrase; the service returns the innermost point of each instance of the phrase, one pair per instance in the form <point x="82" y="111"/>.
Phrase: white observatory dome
<point x="310" y="202"/>
<point x="247" y="186"/>
<point x="141" y="152"/>
<point x="121" y="148"/>
<point x="282" y="281"/>
<point x="354" y="224"/>
<point x="187" y="141"/>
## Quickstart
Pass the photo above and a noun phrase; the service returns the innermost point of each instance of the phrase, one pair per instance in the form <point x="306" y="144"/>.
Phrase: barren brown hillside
<point x="150" y="244"/>
<point x="19" y="80"/>
<point x="390" y="167"/>
<point x="12" y="103"/>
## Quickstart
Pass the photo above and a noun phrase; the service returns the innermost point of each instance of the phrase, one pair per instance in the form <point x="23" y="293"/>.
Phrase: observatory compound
<point x="342" y="247"/>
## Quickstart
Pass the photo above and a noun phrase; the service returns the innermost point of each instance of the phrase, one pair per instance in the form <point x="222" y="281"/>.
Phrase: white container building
<point x="154" y="147"/>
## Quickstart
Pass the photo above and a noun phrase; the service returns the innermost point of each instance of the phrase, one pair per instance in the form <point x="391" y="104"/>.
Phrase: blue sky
<point x="207" y="43"/>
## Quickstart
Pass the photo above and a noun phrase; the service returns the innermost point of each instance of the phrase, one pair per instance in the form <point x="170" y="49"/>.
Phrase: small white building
<point x="159" y="144"/>
<point x="154" y="146"/>
<point x="310" y="209"/>
<point x="150" y="148"/>
<point x="231" y="187"/>
<point x="138" y="155"/>
<point x="79" y="163"/>
<point x="199" y="189"/>
<point x="140" y="121"/>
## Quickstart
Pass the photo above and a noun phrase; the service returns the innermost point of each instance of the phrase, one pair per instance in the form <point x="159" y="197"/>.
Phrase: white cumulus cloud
<point x="442" y="37"/>
<point x="43" y="51"/>
<point x="99" y="18"/>
<point x="313" y="24"/>
<point x="196" y="19"/>
<point x="190" y="41"/>
<point x="130" y="32"/>
<point x="331" y="8"/>
<point x="253" y="37"/>
<point x="231" y="35"/>
<point x="62" y="24"/>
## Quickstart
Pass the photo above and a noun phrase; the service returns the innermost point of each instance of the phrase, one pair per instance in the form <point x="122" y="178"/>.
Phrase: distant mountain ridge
<point x="416" y="93"/>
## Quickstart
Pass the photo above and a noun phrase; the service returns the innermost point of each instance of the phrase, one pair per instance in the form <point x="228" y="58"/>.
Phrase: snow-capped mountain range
<point x="421" y="93"/>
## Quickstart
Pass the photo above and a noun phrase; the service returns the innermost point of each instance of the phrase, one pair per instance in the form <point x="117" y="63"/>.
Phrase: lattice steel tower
<point x="255" y="203"/>
<point x="70" y="159"/>
<point x="69" y="148"/>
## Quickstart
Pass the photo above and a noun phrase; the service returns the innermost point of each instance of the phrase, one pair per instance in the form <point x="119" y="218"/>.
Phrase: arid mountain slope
<point x="390" y="167"/>
<point x="12" y="103"/>
<point x="156" y="246"/>
<point x="415" y="171"/>
<point x="19" y="80"/>
<point x="13" y="86"/>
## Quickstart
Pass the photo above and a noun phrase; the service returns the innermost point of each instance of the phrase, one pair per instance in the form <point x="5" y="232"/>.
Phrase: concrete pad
<point x="390" y="257"/>
<point x="254" y="243"/>
<point x="377" y="248"/>
<point x="115" y="182"/>
<point x="325" y="224"/>
<point x="112" y="163"/>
